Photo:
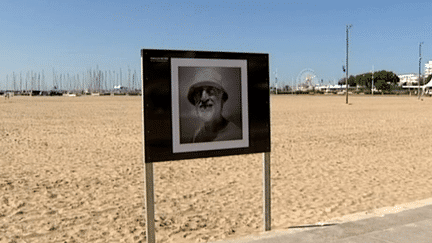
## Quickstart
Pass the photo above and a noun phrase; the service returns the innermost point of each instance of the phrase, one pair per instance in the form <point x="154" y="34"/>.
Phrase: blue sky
<point x="73" y="36"/>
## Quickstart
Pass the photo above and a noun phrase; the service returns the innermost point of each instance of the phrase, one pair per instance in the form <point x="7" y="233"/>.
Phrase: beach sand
<point x="71" y="169"/>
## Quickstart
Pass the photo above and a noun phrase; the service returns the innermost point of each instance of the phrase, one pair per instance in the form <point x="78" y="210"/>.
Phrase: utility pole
<point x="372" y="80"/>
<point x="347" y="39"/>
<point x="419" y="69"/>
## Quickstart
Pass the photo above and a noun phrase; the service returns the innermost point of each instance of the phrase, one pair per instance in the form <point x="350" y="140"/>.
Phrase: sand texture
<point x="71" y="169"/>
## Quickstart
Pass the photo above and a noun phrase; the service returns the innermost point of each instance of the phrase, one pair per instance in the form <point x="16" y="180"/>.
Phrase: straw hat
<point x="206" y="77"/>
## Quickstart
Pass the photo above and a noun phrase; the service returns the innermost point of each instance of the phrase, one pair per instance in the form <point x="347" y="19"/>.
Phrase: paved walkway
<point x="407" y="226"/>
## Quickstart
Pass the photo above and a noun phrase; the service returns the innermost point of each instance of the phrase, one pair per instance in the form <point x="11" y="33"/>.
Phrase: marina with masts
<point x="91" y="81"/>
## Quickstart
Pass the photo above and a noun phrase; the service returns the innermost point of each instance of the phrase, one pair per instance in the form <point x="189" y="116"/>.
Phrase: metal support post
<point x="267" y="192"/>
<point x="347" y="29"/>
<point x="418" y="91"/>
<point x="150" y="222"/>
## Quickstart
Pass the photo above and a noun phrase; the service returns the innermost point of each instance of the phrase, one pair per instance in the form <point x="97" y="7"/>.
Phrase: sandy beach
<point x="71" y="169"/>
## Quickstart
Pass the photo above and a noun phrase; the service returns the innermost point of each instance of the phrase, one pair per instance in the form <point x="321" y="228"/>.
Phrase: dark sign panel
<point x="203" y="104"/>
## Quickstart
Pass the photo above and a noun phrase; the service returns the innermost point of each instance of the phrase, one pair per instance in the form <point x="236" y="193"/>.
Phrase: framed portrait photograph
<point x="209" y="104"/>
<point x="199" y="104"/>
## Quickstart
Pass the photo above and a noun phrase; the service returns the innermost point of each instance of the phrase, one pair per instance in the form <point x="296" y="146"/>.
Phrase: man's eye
<point x="212" y="91"/>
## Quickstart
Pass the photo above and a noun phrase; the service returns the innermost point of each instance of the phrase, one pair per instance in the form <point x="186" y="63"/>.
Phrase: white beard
<point x="207" y="112"/>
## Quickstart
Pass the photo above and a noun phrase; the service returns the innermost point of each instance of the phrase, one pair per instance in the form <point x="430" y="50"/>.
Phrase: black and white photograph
<point x="209" y="104"/>
<point x="201" y="104"/>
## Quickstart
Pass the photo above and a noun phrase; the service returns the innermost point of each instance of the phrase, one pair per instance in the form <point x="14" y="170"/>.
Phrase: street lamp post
<point x="372" y="79"/>
<point x="419" y="69"/>
<point x="346" y="82"/>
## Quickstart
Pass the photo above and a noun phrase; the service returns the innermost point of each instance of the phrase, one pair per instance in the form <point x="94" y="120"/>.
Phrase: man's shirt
<point x="229" y="131"/>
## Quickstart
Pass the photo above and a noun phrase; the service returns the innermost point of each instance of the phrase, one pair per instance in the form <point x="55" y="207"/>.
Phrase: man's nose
<point x="204" y="95"/>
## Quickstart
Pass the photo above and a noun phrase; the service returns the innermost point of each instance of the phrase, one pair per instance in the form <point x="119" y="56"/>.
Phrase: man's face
<point x="208" y="103"/>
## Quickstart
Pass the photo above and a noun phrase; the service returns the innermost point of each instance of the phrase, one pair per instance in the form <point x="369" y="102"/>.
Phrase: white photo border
<point x="216" y="145"/>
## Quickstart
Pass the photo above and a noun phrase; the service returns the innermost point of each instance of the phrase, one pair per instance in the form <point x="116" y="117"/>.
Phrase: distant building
<point x="428" y="68"/>
<point x="120" y="89"/>
<point x="408" y="79"/>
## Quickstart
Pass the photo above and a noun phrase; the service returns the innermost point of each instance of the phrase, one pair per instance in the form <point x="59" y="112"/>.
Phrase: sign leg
<point x="150" y="222"/>
<point x="267" y="191"/>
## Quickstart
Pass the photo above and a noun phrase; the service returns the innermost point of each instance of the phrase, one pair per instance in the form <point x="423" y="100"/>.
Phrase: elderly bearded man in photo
<point x="208" y="96"/>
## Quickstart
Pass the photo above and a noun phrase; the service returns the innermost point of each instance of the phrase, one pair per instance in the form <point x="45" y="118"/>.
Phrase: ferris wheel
<point x="307" y="79"/>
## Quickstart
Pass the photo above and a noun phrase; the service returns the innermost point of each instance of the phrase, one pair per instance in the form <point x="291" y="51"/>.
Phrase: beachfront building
<point x="408" y="79"/>
<point x="330" y="88"/>
<point x="428" y="68"/>
<point x="120" y="88"/>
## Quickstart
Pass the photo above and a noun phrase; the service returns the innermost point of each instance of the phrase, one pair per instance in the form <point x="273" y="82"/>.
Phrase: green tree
<point x="364" y="80"/>
<point x="394" y="79"/>
<point x="389" y="80"/>
<point x="382" y="85"/>
<point x="368" y="77"/>
<point x="380" y="75"/>
<point x="352" y="81"/>
<point x="383" y="80"/>
<point x="428" y="79"/>
<point x="422" y="81"/>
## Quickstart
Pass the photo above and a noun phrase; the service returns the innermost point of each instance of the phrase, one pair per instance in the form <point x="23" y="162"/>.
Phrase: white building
<point x="120" y="88"/>
<point x="408" y="79"/>
<point x="428" y="68"/>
